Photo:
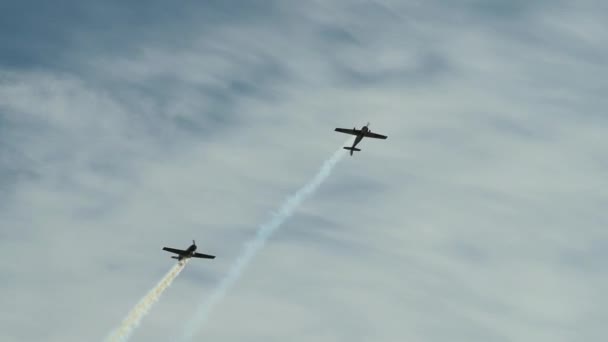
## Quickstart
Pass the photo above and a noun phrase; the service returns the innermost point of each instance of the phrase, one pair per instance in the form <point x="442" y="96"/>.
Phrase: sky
<point x="129" y="126"/>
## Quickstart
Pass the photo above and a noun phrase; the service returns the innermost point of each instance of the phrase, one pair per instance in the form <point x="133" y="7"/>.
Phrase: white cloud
<point x="480" y="218"/>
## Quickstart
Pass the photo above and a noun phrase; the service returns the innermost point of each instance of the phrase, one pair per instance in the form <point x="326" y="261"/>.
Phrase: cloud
<point x="480" y="218"/>
<point x="65" y="34"/>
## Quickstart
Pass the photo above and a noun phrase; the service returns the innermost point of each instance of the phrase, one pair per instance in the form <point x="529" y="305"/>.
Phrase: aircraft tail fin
<point x="351" y="149"/>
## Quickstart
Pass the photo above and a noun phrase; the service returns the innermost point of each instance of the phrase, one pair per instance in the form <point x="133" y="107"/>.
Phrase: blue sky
<point x="126" y="127"/>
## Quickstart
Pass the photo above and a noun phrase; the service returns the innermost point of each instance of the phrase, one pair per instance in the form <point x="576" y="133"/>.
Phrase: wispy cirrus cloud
<point x="480" y="218"/>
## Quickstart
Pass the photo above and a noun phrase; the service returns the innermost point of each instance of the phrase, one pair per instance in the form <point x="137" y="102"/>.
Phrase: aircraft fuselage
<point x="189" y="253"/>
<point x="359" y="137"/>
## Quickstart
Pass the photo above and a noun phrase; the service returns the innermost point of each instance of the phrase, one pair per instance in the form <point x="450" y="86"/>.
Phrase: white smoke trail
<point x="124" y="331"/>
<point x="253" y="246"/>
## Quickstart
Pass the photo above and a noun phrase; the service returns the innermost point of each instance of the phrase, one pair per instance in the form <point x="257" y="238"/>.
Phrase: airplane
<point x="360" y="133"/>
<point x="187" y="253"/>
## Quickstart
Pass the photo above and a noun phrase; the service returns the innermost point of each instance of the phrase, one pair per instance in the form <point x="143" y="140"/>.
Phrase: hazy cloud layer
<point x="125" y="128"/>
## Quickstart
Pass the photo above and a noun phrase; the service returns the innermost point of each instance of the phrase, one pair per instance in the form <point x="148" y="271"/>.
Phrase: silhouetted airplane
<point x="360" y="133"/>
<point x="188" y="253"/>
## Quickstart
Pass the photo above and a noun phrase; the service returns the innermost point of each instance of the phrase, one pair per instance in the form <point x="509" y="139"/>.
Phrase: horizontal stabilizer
<point x="352" y="148"/>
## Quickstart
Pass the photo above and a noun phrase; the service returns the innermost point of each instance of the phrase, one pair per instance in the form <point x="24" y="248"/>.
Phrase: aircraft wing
<point x="374" y="135"/>
<point x="174" y="250"/>
<point x="204" y="256"/>
<point x="348" y="131"/>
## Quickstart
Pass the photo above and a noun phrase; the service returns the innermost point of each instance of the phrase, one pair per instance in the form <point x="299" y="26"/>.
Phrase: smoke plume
<point x="125" y="330"/>
<point x="252" y="247"/>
